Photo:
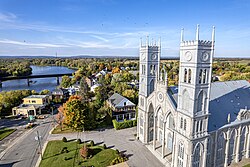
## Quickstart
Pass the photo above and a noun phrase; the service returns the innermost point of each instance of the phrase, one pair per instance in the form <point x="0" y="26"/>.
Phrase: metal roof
<point x="116" y="100"/>
<point x="225" y="98"/>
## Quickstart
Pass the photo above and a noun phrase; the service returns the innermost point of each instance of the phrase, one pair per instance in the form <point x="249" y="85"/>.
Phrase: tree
<point x="127" y="77"/>
<point x="120" y="87"/>
<point x="84" y="90"/>
<point x="44" y="92"/>
<point x="59" y="117"/>
<point x="66" y="81"/>
<point x="115" y="70"/>
<point x="75" y="113"/>
<point x="131" y="94"/>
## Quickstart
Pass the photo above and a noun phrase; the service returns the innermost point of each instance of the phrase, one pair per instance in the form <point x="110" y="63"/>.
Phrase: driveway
<point x="123" y="140"/>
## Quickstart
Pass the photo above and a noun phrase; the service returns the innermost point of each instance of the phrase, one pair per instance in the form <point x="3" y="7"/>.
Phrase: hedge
<point x="124" y="124"/>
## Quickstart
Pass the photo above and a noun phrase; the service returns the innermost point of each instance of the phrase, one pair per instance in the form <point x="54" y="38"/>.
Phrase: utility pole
<point x="39" y="142"/>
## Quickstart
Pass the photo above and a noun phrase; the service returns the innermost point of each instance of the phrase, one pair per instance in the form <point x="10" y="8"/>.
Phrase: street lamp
<point x="38" y="138"/>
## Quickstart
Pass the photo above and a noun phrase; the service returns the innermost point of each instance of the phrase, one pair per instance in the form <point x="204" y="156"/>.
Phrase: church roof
<point x="225" y="98"/>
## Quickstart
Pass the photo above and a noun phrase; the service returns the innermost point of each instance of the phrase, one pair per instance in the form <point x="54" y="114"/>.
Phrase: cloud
<point x="34" y="45"/>
<point x="100" y="38"/>
<point x="7" y="17"/>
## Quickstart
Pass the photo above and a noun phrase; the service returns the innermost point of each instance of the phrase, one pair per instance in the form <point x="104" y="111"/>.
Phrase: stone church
<point x="198" y="123"/>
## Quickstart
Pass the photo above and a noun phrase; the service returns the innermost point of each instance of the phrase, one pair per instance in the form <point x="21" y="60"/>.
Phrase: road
<point x="25" y="152"/>
<point x="13" y="123"/>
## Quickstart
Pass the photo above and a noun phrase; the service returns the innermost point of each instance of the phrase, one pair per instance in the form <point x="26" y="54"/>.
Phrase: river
<point x="38" y="84"/>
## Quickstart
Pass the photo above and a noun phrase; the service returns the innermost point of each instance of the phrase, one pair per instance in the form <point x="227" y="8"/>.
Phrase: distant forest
<point x="223" y="68"/>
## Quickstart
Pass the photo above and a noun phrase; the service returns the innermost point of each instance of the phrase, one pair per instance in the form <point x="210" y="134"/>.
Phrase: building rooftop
<point x="118" y="100"/>
<point x="28" y="106"/>
<point x="37" y="96"/>
<point x="225" y="98"/>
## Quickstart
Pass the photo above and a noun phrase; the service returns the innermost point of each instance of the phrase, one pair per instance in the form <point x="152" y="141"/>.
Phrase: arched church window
<point x="209" y="150"/>
<point x="200" y="76"/>
<point x="189" y="75"/>
<point x="197" y="126"/>
<point x="180" y="155"/>
<point x="185" y="75"/>
<point x="181" y="126"/>
<point x="152" y="69"/>
<point x="171" y="121"/>
<point x="151" y="86"/>
<point x="232" y="146"/>
<point x="185" y="124"/>
<point x="197" y="156"/>
<point x="201" y="124"/>
<point x="143" y="69"/>
<point x="200" y="105"/>
<point x="170" y="142"/>
<point x="220" y="150"/>
<point x="243" y="142"/>
<point x="204" y="76"/>
<point x="185" y="101"/>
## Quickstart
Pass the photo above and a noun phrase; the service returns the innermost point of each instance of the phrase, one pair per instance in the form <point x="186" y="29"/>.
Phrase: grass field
<point x="54" y="158"/>
<point x="5" y="132"/>
<point x="65" y="129"/>
<point x="247" y="165"/>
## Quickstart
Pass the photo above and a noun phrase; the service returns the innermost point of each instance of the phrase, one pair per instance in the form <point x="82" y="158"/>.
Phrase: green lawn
<point x="65" y="129"/>
<point x="247" y="165"/>
<point x="53" y="157"/>
<point x="5" y="132"/>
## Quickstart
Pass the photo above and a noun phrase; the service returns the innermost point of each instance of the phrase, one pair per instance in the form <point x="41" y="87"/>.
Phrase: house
<point x="37" y="100"/>
<point x="60" y="93"/>
<point x="32" y="105"/>
<point x="74" y="89"/>
<point x="28" y="109"/>
<point x="92" y="89"/>
<point x="122" y="108"/>
<point x="91" y="80"/>
<point x="199" y="122"/>
<point x="101" y="73"/>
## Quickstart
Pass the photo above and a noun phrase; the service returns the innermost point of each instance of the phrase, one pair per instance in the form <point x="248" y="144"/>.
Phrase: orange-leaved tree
<point x="75" y="113"/>
<point x="59" y="117"/>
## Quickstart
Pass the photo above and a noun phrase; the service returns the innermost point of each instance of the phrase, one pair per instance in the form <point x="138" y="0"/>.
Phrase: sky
<point x="114" y="27"/>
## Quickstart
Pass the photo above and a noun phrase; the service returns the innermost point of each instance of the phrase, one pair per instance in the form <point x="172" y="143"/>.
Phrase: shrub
<point x="64" y="150"/>
<point x="78" y="141"/>
<point x="124" y="124"/>
<point x="92" y="143"/>
<point x="118" y="160"/>
<point x="117" y="151"/>
<point x="104" y="146"/>
<point x="64" y="139"/>
<point x="85" y="152"/>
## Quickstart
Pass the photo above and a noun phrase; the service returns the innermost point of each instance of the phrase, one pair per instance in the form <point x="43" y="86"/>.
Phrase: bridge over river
<point x="34" y="76"/>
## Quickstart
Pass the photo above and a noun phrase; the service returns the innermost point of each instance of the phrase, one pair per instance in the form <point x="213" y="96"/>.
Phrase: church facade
<point x="198" y="123"/>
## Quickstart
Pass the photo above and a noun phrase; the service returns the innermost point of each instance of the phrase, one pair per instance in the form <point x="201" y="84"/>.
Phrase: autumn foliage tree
<point x="75" y="113"/>
<point x="59" y="117"/>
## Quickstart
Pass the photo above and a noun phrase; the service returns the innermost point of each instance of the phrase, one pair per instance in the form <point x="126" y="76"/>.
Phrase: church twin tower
<point x="165" y="125"/>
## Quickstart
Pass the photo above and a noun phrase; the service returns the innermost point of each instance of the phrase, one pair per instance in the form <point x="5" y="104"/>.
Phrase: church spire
<point x="197" y="32"/>
<point x="213" y="34"/>
<point x="182" y="34"/>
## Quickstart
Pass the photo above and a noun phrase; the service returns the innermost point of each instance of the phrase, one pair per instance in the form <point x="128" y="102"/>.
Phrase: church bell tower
<point x="195" y="73"/>
<point x="149" y="67"/>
